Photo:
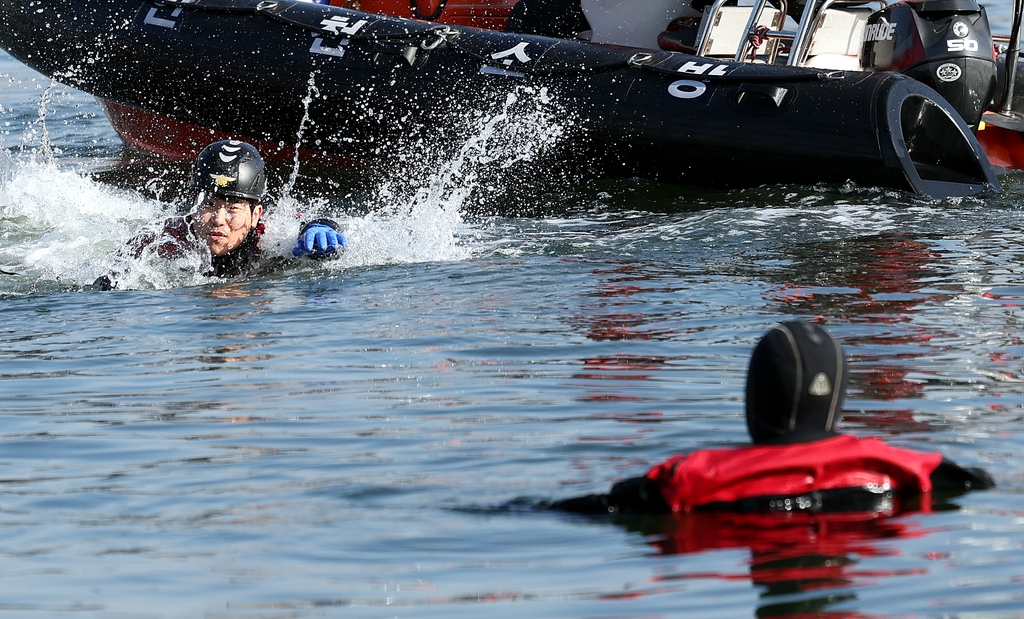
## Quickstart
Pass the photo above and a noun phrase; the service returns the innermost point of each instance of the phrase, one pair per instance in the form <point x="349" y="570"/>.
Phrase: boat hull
<point x="363" y="87"/>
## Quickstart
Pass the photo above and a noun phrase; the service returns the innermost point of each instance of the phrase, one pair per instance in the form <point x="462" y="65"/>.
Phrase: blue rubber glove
<point x="319" y="240"/>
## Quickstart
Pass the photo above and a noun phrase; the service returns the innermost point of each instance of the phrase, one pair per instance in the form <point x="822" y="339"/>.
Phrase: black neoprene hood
<point x="796" y="385"/>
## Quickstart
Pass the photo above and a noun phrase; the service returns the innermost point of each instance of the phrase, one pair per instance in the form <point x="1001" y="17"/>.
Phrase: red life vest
<point x="726" y="475"/>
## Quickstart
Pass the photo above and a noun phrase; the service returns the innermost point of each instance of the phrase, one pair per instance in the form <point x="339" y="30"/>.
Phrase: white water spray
<point x="311" y="92"/>
<point x="45" y="151"/>
<point x="59" y="226"/>
<point x="418" y="216"/>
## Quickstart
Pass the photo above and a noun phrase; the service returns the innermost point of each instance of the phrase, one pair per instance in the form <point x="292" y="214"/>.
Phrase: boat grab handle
<point x="748" y="93"/>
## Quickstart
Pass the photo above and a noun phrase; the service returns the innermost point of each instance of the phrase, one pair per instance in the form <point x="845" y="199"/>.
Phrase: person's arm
<point x="132" y="251"/>
<point x="320" y="239"/>
<point x="637" y="495"/>
<point x="951" y="477"/>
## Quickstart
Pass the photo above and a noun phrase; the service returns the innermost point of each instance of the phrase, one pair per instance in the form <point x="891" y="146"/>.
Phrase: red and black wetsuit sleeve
<point x="637" y="495"/>
<point x="950" y="477"/>
<point x="640" y="495"/>
<point x="174" y="238"/>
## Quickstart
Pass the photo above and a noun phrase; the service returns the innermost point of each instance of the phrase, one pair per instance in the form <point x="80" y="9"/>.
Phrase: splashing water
<point x="6" y="169"/>
<point x="422" y="210"/>
<point x="526" y="127"/>
<point x="58" y="225"/>
<point x="45" y="151"/>
<point x="63" y="229"/>
<point x="311" y="92"/>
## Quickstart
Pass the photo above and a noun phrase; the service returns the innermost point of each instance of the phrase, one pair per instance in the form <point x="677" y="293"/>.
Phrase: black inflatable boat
<point x="244" y="67"/>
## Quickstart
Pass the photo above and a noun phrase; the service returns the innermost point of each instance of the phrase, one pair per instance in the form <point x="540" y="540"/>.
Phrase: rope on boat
<point x="429" y="37"/>
<point x="451" y="42"/>
<point x="447" y="37"/>
<point x="582" y="70"/>
<point x="643" y="62"/>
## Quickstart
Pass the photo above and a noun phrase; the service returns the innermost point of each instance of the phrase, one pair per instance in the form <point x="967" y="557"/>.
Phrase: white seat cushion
<point x="633" y="23"/>
<point x="839" y="31"/>
<point x="727" y="31"/>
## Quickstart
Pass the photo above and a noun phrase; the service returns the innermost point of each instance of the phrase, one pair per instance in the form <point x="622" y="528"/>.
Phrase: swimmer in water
<point x="796" y="384"/>
<point x="228" y="185"/>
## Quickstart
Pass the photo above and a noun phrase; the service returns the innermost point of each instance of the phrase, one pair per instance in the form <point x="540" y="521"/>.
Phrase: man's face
<point x="224" y="222"/>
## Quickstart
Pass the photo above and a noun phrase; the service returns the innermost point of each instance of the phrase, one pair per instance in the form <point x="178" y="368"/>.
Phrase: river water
<point x="372" y="437"/>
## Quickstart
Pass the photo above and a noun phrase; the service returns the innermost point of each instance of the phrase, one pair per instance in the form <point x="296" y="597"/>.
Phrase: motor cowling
<point x="946" y="44"/>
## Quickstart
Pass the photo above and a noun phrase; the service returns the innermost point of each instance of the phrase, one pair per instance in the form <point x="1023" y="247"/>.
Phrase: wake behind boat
<point x="359" y="86"/>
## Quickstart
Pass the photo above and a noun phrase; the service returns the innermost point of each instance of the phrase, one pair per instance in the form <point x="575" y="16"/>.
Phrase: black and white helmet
<point x="230" y="168"/>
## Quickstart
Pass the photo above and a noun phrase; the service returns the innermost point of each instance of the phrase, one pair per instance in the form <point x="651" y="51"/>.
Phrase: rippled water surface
<point x="371" y="437"/>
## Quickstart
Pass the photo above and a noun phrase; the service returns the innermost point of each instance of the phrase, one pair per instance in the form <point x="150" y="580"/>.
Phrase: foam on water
<point x="59" y="224"/>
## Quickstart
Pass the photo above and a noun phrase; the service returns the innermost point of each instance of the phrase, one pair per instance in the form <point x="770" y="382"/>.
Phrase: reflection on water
<point x="622" y="294"/>
<point x="802" y="564"/>
<point x="621" y="367"/>
<point x="881" y="280"/>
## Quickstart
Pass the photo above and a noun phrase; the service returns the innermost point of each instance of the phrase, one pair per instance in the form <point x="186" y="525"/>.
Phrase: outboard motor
<point x="945" y="44"/>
